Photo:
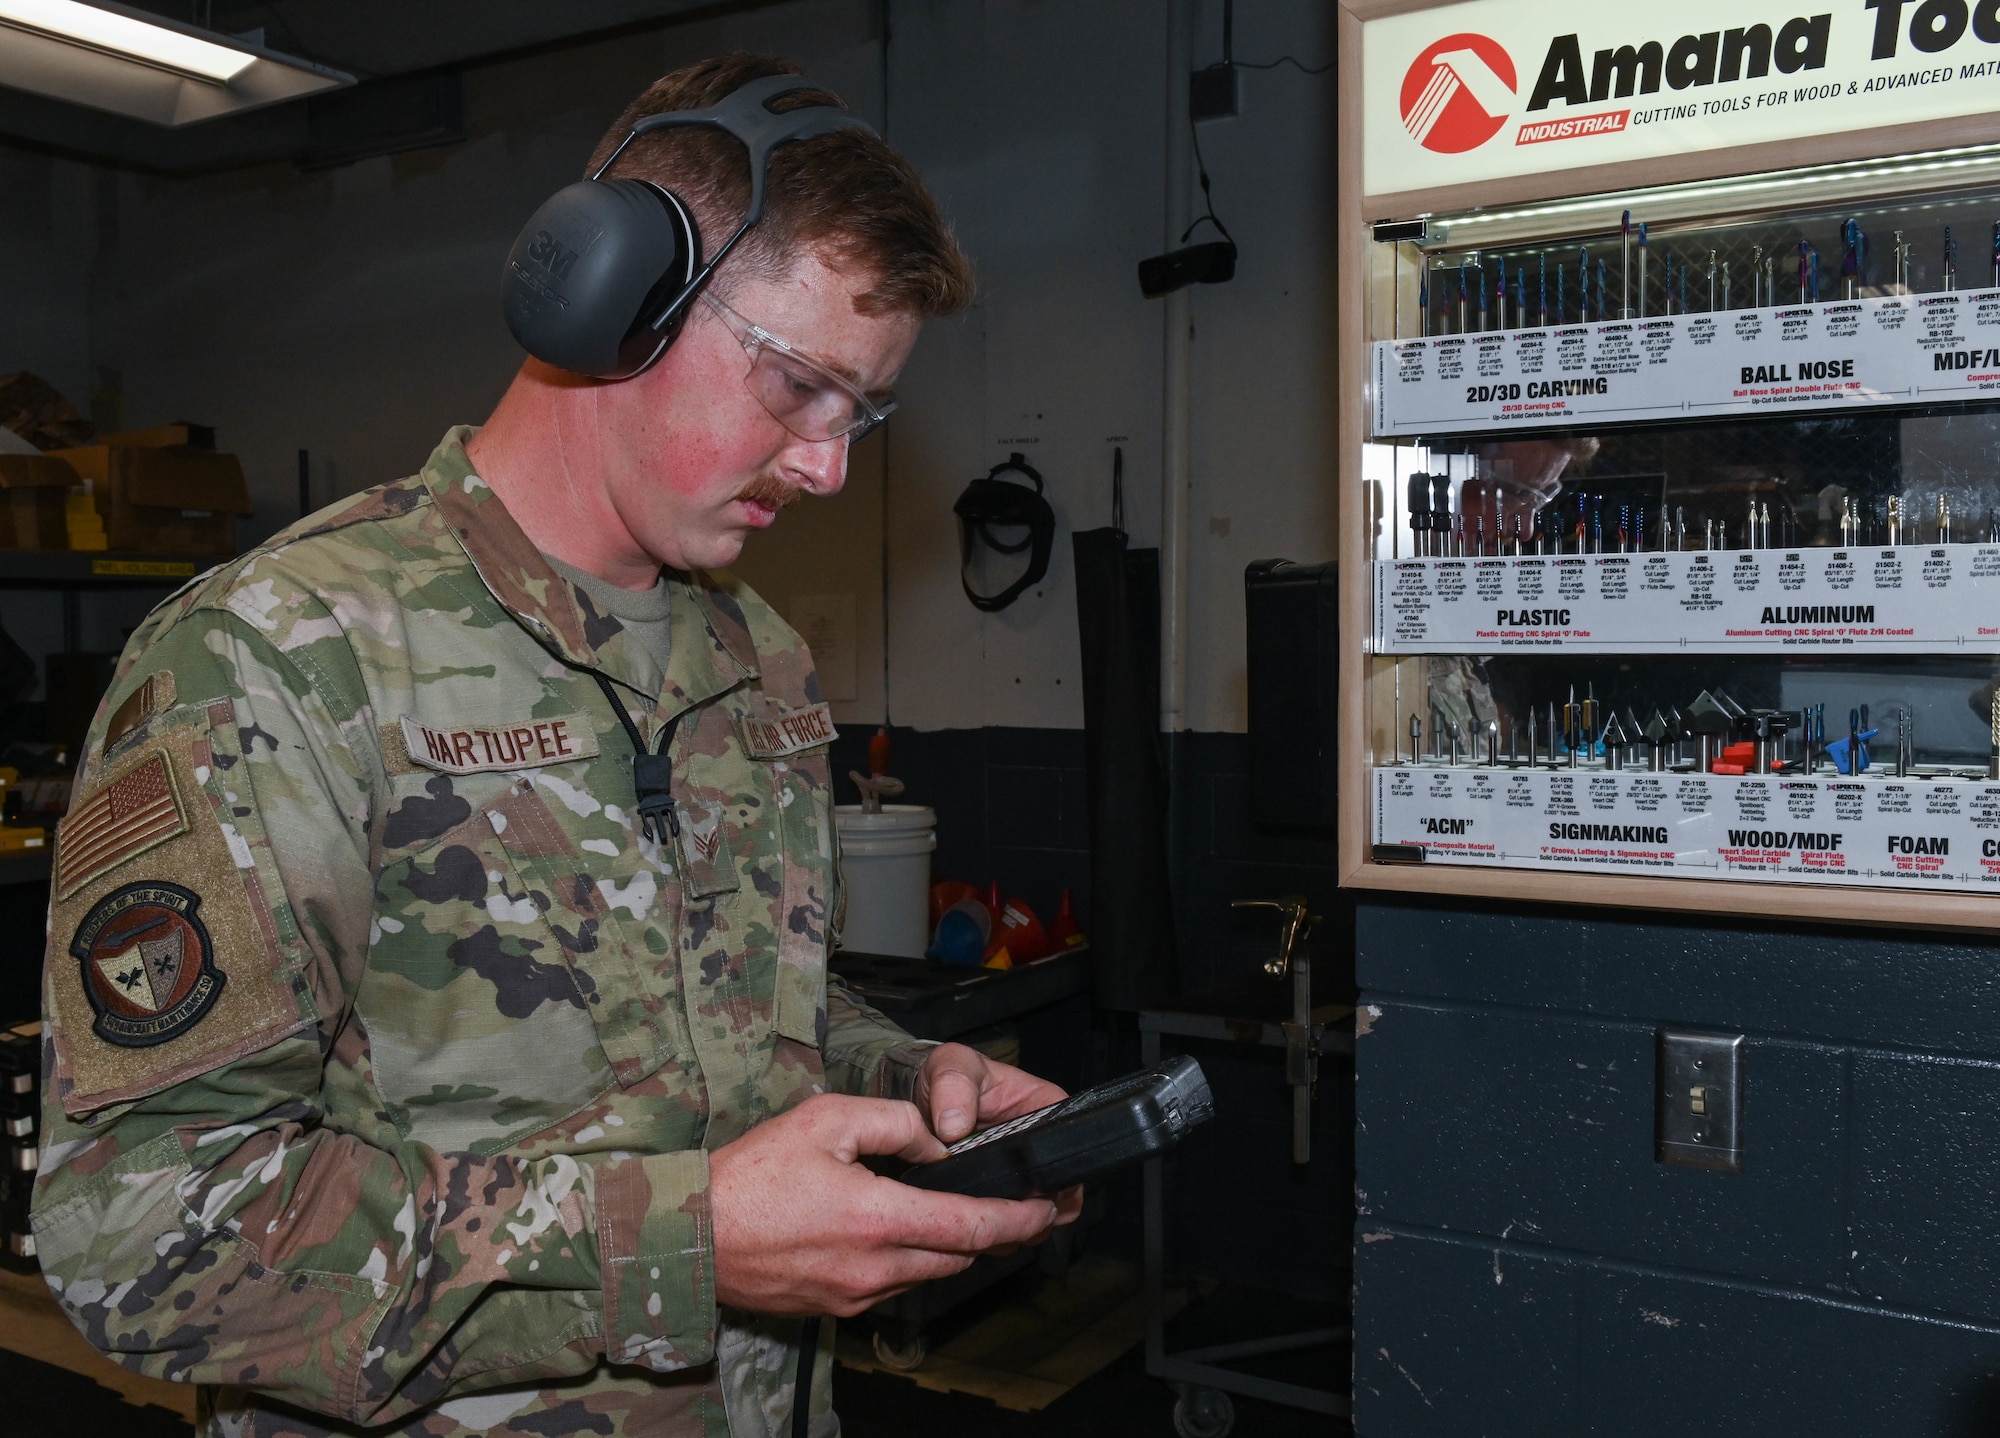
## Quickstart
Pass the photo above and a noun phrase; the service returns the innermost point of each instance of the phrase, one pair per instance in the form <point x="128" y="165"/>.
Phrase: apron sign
<point x="1499" y="88"/>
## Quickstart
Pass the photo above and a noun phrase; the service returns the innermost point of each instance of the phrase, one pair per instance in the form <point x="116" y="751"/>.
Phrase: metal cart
<point x="1274" y="1010"/>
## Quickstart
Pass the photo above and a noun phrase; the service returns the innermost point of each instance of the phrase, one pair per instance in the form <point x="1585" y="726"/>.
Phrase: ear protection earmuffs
<point x="601" y="279"/>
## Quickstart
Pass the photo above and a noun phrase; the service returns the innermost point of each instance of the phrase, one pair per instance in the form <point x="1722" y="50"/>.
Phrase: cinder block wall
<point x="1524" y="1266"/>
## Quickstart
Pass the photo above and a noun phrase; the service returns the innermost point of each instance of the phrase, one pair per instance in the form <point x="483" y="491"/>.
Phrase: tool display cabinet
<point x="1659" y="474"/>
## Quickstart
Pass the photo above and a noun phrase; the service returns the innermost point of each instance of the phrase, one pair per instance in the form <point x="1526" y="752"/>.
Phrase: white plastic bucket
<point x="886" y="861"/>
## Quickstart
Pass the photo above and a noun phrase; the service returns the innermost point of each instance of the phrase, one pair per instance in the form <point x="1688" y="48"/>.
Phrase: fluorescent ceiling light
<point x="123" y="35"/>
<point x="150" y="68"/>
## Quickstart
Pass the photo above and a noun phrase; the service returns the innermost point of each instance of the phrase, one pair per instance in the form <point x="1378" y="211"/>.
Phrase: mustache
<point x="771" y="492"/>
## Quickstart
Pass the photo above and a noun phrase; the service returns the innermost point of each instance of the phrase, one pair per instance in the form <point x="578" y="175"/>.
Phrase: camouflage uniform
<point x="385" y="1049"/>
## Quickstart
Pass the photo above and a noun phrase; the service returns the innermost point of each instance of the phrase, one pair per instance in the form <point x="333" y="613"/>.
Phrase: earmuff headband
<point x="746" y="114"/>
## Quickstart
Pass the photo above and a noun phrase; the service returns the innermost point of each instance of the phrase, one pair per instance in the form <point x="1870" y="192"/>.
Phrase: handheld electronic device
<point x="1080" y="1140"/>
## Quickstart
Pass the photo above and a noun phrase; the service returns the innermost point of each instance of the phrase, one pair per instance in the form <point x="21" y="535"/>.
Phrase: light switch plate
<point x="1698" y="1119"/>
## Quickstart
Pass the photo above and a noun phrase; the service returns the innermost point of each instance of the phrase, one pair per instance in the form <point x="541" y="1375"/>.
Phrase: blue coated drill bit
<point x="1424" y="299"/>
<point x="1543" y="260"/>
<point x="1666" y="259"/>
<point x="1603" y="289"/>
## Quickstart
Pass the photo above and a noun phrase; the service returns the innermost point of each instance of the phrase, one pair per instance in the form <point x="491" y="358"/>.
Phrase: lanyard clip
<point x="653" y="778"/>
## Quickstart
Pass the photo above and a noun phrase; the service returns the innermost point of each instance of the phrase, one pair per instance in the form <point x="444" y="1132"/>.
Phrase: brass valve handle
<point x="1298" y="921"/>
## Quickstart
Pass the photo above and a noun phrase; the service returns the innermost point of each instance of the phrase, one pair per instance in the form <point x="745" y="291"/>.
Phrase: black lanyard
<point x="652" y="774"/>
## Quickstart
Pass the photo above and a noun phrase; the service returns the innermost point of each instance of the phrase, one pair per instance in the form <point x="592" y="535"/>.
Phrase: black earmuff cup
<point x="600" y="259"/>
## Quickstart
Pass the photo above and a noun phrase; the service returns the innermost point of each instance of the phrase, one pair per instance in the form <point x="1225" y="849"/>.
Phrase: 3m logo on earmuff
<point x="551" y="254"/>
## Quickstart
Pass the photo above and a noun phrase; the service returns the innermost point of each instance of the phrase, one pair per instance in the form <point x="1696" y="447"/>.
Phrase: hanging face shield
<point x="999" y="517"/>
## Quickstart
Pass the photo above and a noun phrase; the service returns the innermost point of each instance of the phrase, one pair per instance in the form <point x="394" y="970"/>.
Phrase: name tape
<point x="478" y="749"/>
<point x="788" y="734"/>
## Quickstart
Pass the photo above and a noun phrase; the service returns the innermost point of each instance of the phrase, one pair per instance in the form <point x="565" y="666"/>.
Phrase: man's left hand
<point x="960" y="1089"/>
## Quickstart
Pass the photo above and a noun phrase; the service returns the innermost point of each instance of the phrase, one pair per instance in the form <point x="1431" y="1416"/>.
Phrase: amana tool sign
<point x="1494" y="88"/>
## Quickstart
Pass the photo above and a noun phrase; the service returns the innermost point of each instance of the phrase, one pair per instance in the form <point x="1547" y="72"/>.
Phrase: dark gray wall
<point x="1524" y="1266"/>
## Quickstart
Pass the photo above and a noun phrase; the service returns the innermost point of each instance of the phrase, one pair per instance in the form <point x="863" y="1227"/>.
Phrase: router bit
<point x="1642" y="276"/>
<point x="1725" y="285"/>
<point x="1950" y="261"/>
<point x="1625" y="263"/>
<point x="1895" y="520"/>
<point x="1711" y="280"/>
<point x="1416" y="738"/>
<point x="1492" y="743"/>
<point x="1993" y="761"/>
<point x="1944" y="518"/>
<point x="1666" y="279"/>
<point x="1756" y="260"/>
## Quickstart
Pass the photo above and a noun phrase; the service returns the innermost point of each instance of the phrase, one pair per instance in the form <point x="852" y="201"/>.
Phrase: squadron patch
<point x="148" y="964"/>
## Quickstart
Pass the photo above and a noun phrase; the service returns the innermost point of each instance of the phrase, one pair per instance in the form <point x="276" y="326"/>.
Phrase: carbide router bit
<point x="1624" y="529"/>
<point x="1756" y="260"/>
<point x="1416" y="738"/>
<point x="1461" y="296"/>
<point x="1500" y="295"/>
<point x="1805" y="248"/>
<point x="1711" y="281"/>
<point x="1895" y="520"/>
<point x="1642" y="276"/>
<point x="1520" y="297"/>
<point x="1815" y="274"/>
<point x="1901" y="265"/>
<point x="1770" y="279"/>
<point x="1612" y="739"/>
<point x="1667" y="282"/>
<point x="1764" y="525"/>
<point x="1625" y="262"/>
<point x="1603" y="292"/>
<point x="1656" y="742"/>
<point x="1441" y="515"/>
<point x="1850" y="259"/>
<point x="1993" y="760"/>
<point x="1480" y="520"/>
<point x="1493" y="743"/>
<point x="1532" y="760"/>
<point x="1751" y="538"/>
<point x="1542" y="264"/>
<point x="1423" y="296"/>
<point x="1517" y="536"/>
<point x="1597" y="524"/>
<point x="1725" y="286"/>
<point x="1993" y="526"/>
<point x="1944" y="518"/>
<point x="1480" y="288"/>
<point x="1451" y="729"/>
<point x="1950" y="261"/>
<point x="1680" y="540"/>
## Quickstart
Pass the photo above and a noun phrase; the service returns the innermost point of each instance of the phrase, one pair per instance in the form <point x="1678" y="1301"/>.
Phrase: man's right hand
<point x="802" y="1228"/>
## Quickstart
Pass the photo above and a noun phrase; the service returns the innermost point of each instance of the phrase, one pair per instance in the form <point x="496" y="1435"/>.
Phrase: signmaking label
<point x="1909" y="599"/>
<point x="1827" y="356"/>
<point x="1938" y="834"/>
<point x="1495" y="88"/>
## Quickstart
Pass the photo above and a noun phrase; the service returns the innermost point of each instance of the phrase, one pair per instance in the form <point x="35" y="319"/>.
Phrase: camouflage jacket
<point x="385" y="1049"/>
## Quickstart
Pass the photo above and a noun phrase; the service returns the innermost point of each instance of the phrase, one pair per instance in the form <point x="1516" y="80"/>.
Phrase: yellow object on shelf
<point x="86" y="525"/>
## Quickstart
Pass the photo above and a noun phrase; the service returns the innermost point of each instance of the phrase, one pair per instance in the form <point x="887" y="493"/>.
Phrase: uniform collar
<point x="709" y="645"/>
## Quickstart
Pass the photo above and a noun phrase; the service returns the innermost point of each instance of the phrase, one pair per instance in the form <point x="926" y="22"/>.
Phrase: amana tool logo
<point x="1458" y="93"/>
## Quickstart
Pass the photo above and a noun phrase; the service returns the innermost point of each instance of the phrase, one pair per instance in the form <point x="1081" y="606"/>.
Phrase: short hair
<point x="845" y="194"/>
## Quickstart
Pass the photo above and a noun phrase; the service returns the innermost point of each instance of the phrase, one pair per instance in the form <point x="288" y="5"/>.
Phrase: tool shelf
<point x="1644" y="443"/>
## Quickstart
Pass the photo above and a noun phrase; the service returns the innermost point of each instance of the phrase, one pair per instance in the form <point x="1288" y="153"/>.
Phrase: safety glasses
<point x="801" y="394"/>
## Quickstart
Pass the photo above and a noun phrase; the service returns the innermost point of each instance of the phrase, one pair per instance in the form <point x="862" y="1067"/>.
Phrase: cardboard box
<point x="171" y="499"/>
<point x="33" y="492"/>
<point x="198" y="436"/>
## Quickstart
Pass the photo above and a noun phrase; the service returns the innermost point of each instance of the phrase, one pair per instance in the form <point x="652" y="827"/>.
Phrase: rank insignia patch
<point x="148" y="965"/>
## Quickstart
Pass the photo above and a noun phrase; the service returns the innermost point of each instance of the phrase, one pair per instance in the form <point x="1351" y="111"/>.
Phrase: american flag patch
<point x="137" y="811"/>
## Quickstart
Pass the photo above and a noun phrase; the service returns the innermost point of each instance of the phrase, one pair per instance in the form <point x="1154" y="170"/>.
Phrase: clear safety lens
<point x="803" y="395"/>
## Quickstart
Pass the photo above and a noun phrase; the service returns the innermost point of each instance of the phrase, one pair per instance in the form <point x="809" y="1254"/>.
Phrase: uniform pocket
<point x="807" y="901"/>
<point x="495" y="1000"/>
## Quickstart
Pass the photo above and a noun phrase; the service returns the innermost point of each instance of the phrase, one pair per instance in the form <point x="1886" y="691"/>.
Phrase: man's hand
<point x="961" y="1089"/>
<point x="802" y="1228"/>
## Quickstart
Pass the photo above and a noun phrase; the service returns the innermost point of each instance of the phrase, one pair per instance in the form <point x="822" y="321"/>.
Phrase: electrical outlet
<point x="1699" y="1100"/>
<point x="1215" y="93"/>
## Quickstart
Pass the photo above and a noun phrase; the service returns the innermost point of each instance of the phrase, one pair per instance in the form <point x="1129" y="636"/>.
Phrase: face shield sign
<point x="1497" y="88"/>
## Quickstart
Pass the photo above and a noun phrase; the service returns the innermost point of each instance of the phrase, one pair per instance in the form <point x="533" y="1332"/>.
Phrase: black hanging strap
<point x="652" y="774"/>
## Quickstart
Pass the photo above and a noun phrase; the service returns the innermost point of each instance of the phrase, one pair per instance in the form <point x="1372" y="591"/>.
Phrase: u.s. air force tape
<point x="778" y="736"/>
<point x="480" y="748"/>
